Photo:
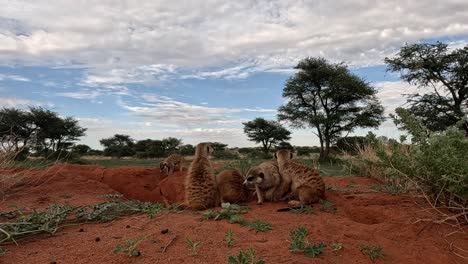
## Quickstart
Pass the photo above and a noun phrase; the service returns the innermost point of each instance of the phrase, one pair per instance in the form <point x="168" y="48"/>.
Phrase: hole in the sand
<point x="365" y="216"/>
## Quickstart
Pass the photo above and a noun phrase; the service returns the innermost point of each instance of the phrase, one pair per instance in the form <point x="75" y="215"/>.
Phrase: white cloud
<point x="121" y="42"/>
<point x="80" y="95"/>
<point x="392" y="94"/>
<point x="15" y="102"/>
<point x="103" y="128"/>
<point x="169" y="112"/>
<point x="11" y="77"/>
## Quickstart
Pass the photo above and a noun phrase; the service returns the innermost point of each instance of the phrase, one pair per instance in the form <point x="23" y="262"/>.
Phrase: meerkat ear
<point x="276" y="157"/>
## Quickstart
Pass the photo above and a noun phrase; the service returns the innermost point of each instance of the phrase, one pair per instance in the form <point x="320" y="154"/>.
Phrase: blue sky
<point x="197" y="71"/>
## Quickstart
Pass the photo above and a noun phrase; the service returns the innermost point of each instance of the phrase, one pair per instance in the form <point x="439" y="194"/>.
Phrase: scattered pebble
<point x="81" y="230"/>
<point x="97" y="239"/>
<point x="164" y="231"/>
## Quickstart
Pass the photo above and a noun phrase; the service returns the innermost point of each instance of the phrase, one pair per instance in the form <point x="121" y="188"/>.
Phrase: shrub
<point x="436" y="165"/>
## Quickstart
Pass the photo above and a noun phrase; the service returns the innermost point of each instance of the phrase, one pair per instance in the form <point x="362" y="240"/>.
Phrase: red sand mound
<point x="362" y="216"/>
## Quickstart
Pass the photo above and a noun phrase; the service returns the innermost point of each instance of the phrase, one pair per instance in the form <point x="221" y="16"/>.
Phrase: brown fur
<point x="200" y="184"/>
<point x="267" y="181"/>
<point x="230" y="186"/>
<point x="170" y="163"/>
<point x="306" y="183"/>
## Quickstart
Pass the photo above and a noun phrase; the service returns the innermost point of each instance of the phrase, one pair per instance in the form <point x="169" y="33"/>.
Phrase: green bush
<point x="437" y="165"/>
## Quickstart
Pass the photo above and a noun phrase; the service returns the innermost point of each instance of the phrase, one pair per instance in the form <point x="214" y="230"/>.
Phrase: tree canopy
<point x="267" y="132"/>
<point x="443" y="72"/>
<point x="38" y="128"/>
<point x="329" y="98"/>
<point x="118" y="146"/>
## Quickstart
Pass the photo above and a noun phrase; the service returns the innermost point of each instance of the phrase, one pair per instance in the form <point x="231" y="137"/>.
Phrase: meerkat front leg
<point x="259" y="194"/>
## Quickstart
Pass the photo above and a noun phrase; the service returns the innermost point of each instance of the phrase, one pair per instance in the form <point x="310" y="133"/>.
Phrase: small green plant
<point x="303" y="210"/>
<point x="313" y="250"/>
<point x="300" y="244"/>
<point x="259" y="226"/>
<point x="298" y="239"/>
<point x="229" y="238"/>
<point x="129" y="247"/>
<point x="193" y="245"/>
<point x="246" y="257"/>
<point x="373" y="252"/>
<point x="3" y="252"/>
<point x="328" y="206"/>
<point x="227" y="212"/>
<point x="237" y="219"/>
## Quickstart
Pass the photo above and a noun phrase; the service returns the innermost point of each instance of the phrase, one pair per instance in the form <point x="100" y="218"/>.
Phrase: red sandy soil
<point x="362" y="216"/>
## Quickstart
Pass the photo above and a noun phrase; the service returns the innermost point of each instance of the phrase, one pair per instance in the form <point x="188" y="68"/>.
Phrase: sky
<point x="196" y="70"/>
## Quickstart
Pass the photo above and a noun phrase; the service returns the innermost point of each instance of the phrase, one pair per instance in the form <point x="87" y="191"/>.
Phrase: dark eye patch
<point x="251" y="178"/>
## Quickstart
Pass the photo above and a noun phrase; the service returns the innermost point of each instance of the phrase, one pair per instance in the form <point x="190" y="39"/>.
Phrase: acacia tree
<point x="329" y="98"/>
<point x="38" y="128"/>
<point x="267" y="132"/>
<point x="443" y="72"/>
<point x="118" y="146"/>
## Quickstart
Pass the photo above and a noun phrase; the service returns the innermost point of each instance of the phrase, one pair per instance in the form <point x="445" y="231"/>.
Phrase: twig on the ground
<point x="169" y="243"/>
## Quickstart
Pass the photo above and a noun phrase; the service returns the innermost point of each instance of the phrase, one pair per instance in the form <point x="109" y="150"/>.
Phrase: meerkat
<point x="171" y="163"/>
<point x="267" y="182"/>
<point x="230" y="186"/>
<point x="306" y="183"/>
<point x="200" y="182"/>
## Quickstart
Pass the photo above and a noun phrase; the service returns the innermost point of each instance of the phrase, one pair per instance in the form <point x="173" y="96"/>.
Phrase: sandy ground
<point x="363" y="216"/>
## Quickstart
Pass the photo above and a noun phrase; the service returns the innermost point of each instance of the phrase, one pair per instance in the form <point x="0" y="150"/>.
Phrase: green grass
<point x="373" y="252"/>
<point x="246" y="257"/>
<point x="129" y="247"/>
<point x="193" y="245"/>
<point x="229" y="238"/>
<point x="300" y="244"/>
<point x="332" y="167"/>
<point x="259" y="226"/>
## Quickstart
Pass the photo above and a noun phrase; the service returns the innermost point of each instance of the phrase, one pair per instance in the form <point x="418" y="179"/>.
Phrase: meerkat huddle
<point x="277" y="180"/>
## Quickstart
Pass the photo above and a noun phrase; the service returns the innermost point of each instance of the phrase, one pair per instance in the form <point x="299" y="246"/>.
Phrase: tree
<point x="16" y="129"/>
<point x="118" y="146"/>
<point x="81" y="149"/>
<point x="187" y="150"/>
<point x="267" y="132"/>
<point x="38" y="128"/>
<point x="53" y="133"/>
<point x="329" y="98"/>
<point x="171" y="145"/>
<point x="443" y="72"/>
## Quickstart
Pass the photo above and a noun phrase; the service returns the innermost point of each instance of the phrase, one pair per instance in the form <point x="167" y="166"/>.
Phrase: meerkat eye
<point x="262" y="175"/>
<point x="250" y="178"/>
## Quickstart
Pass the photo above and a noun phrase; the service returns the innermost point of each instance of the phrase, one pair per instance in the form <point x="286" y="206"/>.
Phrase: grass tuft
<point x="246" y="257"/>
<point x="259" y="226"/>
<point x="373" y="252"/>
<point x="129" y="247"/>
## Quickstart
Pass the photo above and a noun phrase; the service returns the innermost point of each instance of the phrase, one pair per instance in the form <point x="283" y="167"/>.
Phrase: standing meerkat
<point x="170" y="163"/>
<point x="267" y="181"/>
<point x="306" y="183"/>
<point x="230" y="186"/>
<point x="200" y="183"/>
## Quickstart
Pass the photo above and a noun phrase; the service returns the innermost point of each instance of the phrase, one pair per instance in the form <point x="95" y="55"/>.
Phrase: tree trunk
<point x="322" y="147"/>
